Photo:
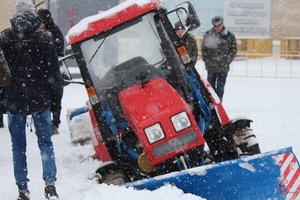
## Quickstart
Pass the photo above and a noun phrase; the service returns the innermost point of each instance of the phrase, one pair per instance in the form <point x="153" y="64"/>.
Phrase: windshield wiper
<point x="108" y="32"/>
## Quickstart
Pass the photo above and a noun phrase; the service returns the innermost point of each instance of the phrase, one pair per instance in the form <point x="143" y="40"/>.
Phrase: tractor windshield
<point x="137" y="38"/>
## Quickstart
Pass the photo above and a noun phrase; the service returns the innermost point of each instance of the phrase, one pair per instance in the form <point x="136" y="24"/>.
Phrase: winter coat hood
<point x="25" y="22"/>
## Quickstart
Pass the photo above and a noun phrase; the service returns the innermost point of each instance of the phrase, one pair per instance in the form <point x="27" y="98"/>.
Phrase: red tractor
<point x="151" y="111"/>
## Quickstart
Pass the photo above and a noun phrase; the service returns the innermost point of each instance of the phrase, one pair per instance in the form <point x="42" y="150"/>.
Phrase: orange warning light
<point x="91" y="91"/>
<point x="182" y="51"/>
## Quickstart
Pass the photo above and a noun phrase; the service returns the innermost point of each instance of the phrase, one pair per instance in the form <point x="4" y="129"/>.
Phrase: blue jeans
<point x="217" y="81"/>
<point x="43" y="128"/>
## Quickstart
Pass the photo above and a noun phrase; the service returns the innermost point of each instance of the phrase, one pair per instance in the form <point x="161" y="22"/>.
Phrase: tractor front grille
<point x="175" y="144"/>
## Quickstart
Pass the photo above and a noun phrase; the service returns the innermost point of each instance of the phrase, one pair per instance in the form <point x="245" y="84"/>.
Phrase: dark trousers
<point x="56" y="115"/>
<point x="217" y="81"/>
<point x="2" y="111"/>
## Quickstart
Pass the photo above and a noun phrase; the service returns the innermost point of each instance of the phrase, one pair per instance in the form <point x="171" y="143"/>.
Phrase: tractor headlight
<point x="181" y="121"/>
<point x="154" y="133"/>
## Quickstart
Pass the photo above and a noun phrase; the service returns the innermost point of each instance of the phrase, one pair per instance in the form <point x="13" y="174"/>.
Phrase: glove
<point x="55" y="107"/>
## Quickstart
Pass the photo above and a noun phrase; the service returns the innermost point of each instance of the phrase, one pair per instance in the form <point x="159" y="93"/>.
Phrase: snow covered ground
<point x="272" y="104"/>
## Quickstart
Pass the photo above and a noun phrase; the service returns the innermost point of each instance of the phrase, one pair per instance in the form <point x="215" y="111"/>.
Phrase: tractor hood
<point x="155" y="105"/>
<point x="146" y="105"/>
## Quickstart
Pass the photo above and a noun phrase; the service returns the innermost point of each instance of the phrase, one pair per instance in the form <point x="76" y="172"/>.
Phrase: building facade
<point x="284" y="14"/>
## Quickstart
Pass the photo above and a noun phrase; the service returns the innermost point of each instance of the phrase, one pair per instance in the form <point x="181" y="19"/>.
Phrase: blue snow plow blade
<point x="270" y="175"/>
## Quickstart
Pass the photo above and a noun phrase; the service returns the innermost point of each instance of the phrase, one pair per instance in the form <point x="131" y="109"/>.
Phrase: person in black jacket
<point x="188" y="40"/>
<point x="34" y="89"/>
<point x="218" y="51"/>
<point x="49" y="25"/>
<point x="58" y="38"/>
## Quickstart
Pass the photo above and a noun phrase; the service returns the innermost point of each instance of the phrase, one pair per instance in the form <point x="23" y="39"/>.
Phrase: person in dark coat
<point x="58" y="38"/>
<point x="49" y="25"/>
<point x="218" y="51"/>
<point x="188" y="40"/>
<point x="34" y="89"/>
<point x="4" y="80"/>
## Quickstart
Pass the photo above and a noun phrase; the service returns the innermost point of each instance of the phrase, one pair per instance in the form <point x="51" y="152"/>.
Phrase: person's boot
<point x="50" y="192"/>
<point x="24" y="195"/>
<point x="55" y="130"/>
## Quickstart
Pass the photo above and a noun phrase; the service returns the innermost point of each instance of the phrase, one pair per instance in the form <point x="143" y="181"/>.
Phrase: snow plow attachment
<point x="271" y="175"/>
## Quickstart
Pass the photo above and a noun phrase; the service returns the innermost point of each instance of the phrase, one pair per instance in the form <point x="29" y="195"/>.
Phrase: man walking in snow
<point x="34" y="89"/>
<point x="218" y="51"/>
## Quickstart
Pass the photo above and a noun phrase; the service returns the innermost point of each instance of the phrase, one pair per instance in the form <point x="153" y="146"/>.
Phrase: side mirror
<point x="188" y="16"/>
<point x="64" y="70"/>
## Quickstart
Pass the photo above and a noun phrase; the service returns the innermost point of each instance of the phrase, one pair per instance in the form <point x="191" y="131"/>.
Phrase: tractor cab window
<point x="136" y="39"/>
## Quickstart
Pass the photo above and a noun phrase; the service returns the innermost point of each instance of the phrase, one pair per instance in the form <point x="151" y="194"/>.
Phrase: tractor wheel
<point x="246" y="142"/>
<point x="117" y="174"/>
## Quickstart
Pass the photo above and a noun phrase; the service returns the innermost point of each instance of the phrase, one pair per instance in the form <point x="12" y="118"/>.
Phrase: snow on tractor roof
<point x="95" y="24"/>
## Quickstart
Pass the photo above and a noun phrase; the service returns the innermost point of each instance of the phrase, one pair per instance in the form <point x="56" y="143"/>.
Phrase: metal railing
<point x="261" y="65"/>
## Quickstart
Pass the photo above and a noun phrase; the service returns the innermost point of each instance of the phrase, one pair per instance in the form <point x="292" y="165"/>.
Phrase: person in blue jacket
<point x="34" y="89"/>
